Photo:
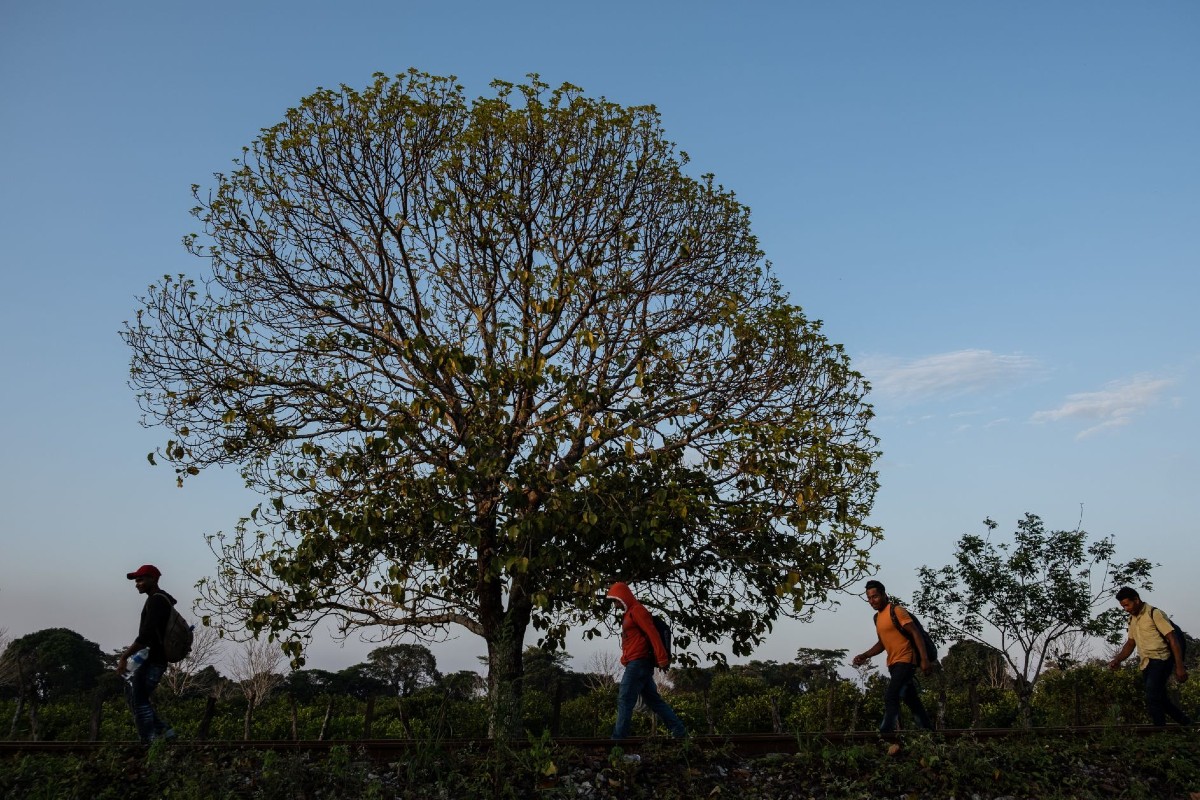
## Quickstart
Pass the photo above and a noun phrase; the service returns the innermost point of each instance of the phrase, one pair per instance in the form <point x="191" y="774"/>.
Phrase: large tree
<point x="51" y="663"/>
<point x="480" y="357"/>
<point x="1027" y="597"/>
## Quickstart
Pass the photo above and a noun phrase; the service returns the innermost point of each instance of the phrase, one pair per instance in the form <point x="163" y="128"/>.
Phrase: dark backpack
<point x="177" y="635"/>
<point x="664" y="634"/>
<point x="1180" y="637"/>
<point x="930" y="645"/>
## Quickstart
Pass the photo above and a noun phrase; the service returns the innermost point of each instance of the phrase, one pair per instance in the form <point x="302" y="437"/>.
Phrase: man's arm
<point x="125" y="654"/>
<point x="867" y="655"/>
<point x="1122" y="654"/>
<point x="1181" y="674"/>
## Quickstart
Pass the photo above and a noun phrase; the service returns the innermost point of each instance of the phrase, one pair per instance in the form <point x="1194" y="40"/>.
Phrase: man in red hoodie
<point x="641" y="651"/>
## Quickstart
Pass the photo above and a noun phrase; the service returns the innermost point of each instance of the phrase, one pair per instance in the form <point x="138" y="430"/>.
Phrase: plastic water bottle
<point x="135" y="661"/>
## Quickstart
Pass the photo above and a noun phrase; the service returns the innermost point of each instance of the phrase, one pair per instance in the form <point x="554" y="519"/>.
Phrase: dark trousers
<point x="903" y="686"/>
<point x="638" y="681"/>
<point x="1158" y="702"/>
<point x="138" y="689"/>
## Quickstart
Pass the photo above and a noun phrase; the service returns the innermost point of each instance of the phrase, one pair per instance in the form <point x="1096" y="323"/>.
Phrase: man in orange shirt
<point x="904" y="654"/>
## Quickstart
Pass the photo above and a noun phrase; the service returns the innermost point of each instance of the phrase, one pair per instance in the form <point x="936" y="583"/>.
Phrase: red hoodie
<point x="639" y="637"/>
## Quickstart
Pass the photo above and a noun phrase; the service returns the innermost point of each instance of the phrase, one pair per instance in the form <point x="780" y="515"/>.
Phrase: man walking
<point x="1159" y="652"/>
<point x="641" y="650"/>
<point x="898" y="635"/>
<point x="140" y="684"/>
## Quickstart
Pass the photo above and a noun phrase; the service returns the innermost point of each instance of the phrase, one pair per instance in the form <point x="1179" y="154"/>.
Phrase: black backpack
<point x="664" y="634"/>
<point x="1180" y="637"/>
<point x="177" y="635"/>
<point x="930" y="645"/>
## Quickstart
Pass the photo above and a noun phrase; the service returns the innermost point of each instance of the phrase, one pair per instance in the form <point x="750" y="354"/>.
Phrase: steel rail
<point x="740" y="744"/>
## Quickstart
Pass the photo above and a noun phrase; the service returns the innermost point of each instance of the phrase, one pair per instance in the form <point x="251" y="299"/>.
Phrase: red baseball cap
<point x="143" y="571"/>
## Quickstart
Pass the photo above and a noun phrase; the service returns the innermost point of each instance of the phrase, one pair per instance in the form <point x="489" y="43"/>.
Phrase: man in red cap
<point x="140" y="684"/>
<point x="641" y="651"/>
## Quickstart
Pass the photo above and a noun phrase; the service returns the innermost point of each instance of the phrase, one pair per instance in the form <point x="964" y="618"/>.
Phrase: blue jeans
<point x="137" y="693"/>
<point x="638" y="681"/>
<point x="1158" y="702"/>
<point x="902" y="686"/>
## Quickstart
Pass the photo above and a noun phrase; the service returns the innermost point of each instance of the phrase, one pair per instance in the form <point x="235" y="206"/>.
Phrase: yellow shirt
<point x="1148" y="629"/>
<point x="899" y="649"/>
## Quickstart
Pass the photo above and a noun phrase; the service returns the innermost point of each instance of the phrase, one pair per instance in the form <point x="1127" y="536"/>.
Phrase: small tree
<point x="1026" y="597"/>
<point x="403" y="668"/>
<point x="183" y="676"/>
<point x="967" y="666"/>
<point x="254" y="666"/>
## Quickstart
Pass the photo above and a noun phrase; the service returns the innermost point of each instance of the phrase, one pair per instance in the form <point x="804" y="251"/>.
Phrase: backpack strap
<point x="162" y="637"/>
<point x="913" y="642"/>
<point x="1166" y="641"/>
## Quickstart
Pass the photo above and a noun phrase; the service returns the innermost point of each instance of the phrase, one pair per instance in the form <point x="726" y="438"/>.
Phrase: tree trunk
<point x="368" y="717"/>
<point x="973" y="702"/>
<point x="248" y="720"/>
<point x="210" y="711"/>
<point x="505" y="671"/>
<point x="12" y="728"/>
<point x="325" y="721"/>
<point x="776" y="719"/>
<point x="403" y="718"/>
<point x="1025" y="704"/>
<point x="97" y="715"/>
<point x="33" y="720"/>
<point x="295" y="719"/>
<point x="556" y="709"/>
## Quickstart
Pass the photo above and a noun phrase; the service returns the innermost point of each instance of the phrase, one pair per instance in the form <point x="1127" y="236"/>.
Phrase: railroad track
<point x="742" y="744"/>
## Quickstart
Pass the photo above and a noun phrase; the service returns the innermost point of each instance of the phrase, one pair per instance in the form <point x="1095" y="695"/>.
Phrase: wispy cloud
<point x="945" y="374"/>
<point x="1112" y="407"/>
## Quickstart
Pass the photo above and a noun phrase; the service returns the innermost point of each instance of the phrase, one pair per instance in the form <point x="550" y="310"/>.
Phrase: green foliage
<point x="1089" y="694"/>
<point x="836" y="706"/>
<point x="403" y="668"/>
<point x="50" y="663"/>
<point x="481" y="355"/>
<point x="1025" y="596"/>
<point x="751" y="698"/>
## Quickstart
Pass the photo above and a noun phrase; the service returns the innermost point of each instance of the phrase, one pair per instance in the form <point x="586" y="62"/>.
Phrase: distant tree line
<point x="56" y="685"/>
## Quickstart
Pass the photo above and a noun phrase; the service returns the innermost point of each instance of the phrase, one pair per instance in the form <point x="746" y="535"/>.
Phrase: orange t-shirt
<point x="899" y="649"/>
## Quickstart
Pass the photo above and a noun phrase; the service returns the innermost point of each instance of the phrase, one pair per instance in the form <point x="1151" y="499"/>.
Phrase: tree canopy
<point x="52" y="662"/>
<point x="482" y="356"/>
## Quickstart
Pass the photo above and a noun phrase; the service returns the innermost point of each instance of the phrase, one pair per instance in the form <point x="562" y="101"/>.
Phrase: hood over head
<point x="620" y="592"/>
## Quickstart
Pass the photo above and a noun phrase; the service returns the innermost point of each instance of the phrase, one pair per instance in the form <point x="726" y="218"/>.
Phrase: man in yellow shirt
<point x="904" y="654"/>
<point x="1159" y="654"/>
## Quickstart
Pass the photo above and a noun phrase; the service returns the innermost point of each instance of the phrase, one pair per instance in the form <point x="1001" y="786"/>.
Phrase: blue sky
<point x="994" y="207"/>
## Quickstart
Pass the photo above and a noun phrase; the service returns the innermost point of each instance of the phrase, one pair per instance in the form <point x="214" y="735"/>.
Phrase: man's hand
<point x="1181" y="675"/>
<point x="662" y="665"/>
<point x="926" y="667"/>
<point x="858" y="660"/>
<point x="1114" y="664"/>
<point x="121" y="664"/>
